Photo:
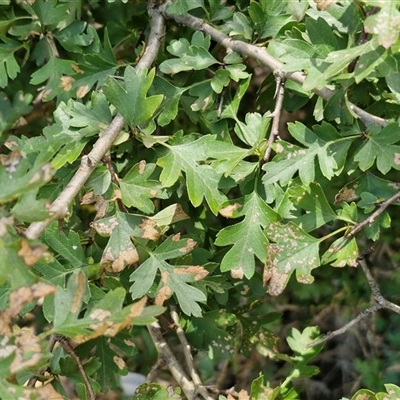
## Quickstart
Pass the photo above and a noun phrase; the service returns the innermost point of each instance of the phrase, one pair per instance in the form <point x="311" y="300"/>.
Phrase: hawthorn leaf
<point x="247" y="237"/>
<point x="292" y="250"/>
<point x="131" y="100"/>
<point x="67" y="245"/>
<point x="174" y="280"/>
<point x="341" y="252"/>
<point x="119" y="251"/>
<point x="380" y="146"/>
<point x="183" y="6"/>
<point x="138" y="189"/>
<point x="313" y="201"/>
<point x="17" y="177"/>
<point x="57" y="75"/>
<point x="172" y="95"/>
<point x="290" y="158"/>
<point x="381" y="189"/>
<point x="9" y="67"/>
<point x="385" y="23"/>
<point x="201" y="180"/>
<point x="12" y="112"/>
<point x="210" y="332"/>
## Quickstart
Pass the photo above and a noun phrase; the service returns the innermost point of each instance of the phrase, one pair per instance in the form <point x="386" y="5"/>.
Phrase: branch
<point x="188" y="356"/>
<point x="276" y="115"/>
<point x="381" y="302"/>
<point x="374" y="215"/>
<point x="261" y="55"/>
<point x="171" y="362"/>
<point x="59" y="208"/>
<point x="70" y="350"/>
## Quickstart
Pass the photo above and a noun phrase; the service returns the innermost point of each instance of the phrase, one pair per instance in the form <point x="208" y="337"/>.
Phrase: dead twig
<point x="276" y="115"/>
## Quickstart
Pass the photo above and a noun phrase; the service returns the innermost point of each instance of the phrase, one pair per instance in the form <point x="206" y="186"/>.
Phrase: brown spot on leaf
<point x="117" y="264"/>
<point x="142" y="166"/>
<point x="108" y="327"/>
<point x="82" y="91"/>
<point x="119" y="362"/>
<point x="4" y="223"/>
<point x="100" y="314"/>
<point x="228" y="211"/>
<point x="190" y="245"/>
<point x="277" y="282"/>
<point x="27" y="294"/>
<point x="11" y="161"/>
<point x="149" y="230"/>
<point x="198" y="271"/>
<point x="176" y="237"/>
<point x="66" y="83"/>
<point x="28" y="351"/>
<point x="237" y="273"/>
<point x="31" y="254"/>
<point x="162" y="295"/>
<point x="345" y="194"/>
<point x="396" y="158"/>
<point x="77" y="69"/>
<point x="80" y="281"/>
<point x="322" y="5"/>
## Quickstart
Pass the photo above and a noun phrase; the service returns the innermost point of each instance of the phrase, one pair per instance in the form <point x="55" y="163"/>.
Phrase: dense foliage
<point x="188" y="186"/>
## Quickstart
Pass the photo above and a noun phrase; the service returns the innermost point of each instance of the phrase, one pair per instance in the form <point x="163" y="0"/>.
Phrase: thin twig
<point x="276" y="115"/>
<point x="70" y="350"/>
<point x="171" y="362"/>
<point x="188" y="356"/>
<point x="59" y="208"/>
<point x="374" y="215"/>
<point x="381" y="302"/>
<point x="261" y="55"/>
<point x="32" y="381"/>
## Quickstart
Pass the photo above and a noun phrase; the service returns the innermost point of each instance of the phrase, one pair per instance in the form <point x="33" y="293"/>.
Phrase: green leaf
<point x="254" y="130"/>
<point x="194" y="56"/>
<point x="119" y="251"/>
<point x="68" y="246"/>
<point x="298" y="342"/>
<point x="379" y="146"/>
<point x="239" y="27"/>
<point x="56" y="74"/>
<point x="313" y="201"/>
<point x="174" y="280"/>
<point x="11" y="112"/>
<point x="382" y="189"/>
<point x="211" y="332"/>
<point x="201" y="180"/>
<point x="73" y="38"/>
<point x="131" y="100"/>
<point x="9" y="67"/>
<point x="291" y="158"/>
<point x="183" y="6"/>
<point x="172" y="95"/>
<point x="17" y="178"/>
<point x="385" y="24"/>
<point x="341" y="252"/>
<point x="293" y="250"/>
<point x="137" y="188"/>
<point x="247" y="237"/>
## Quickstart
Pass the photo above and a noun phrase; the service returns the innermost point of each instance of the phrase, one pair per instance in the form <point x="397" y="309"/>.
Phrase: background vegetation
<point x="194" y="190"/>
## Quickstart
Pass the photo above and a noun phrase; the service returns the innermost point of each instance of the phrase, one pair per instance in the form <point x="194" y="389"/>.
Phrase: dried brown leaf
<point x="27" y="344"/>
<point x="346" y="194"/>
<point x="237" y="273"/>
<point x="323" y="5"/>
<point x="80" y="281"/>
